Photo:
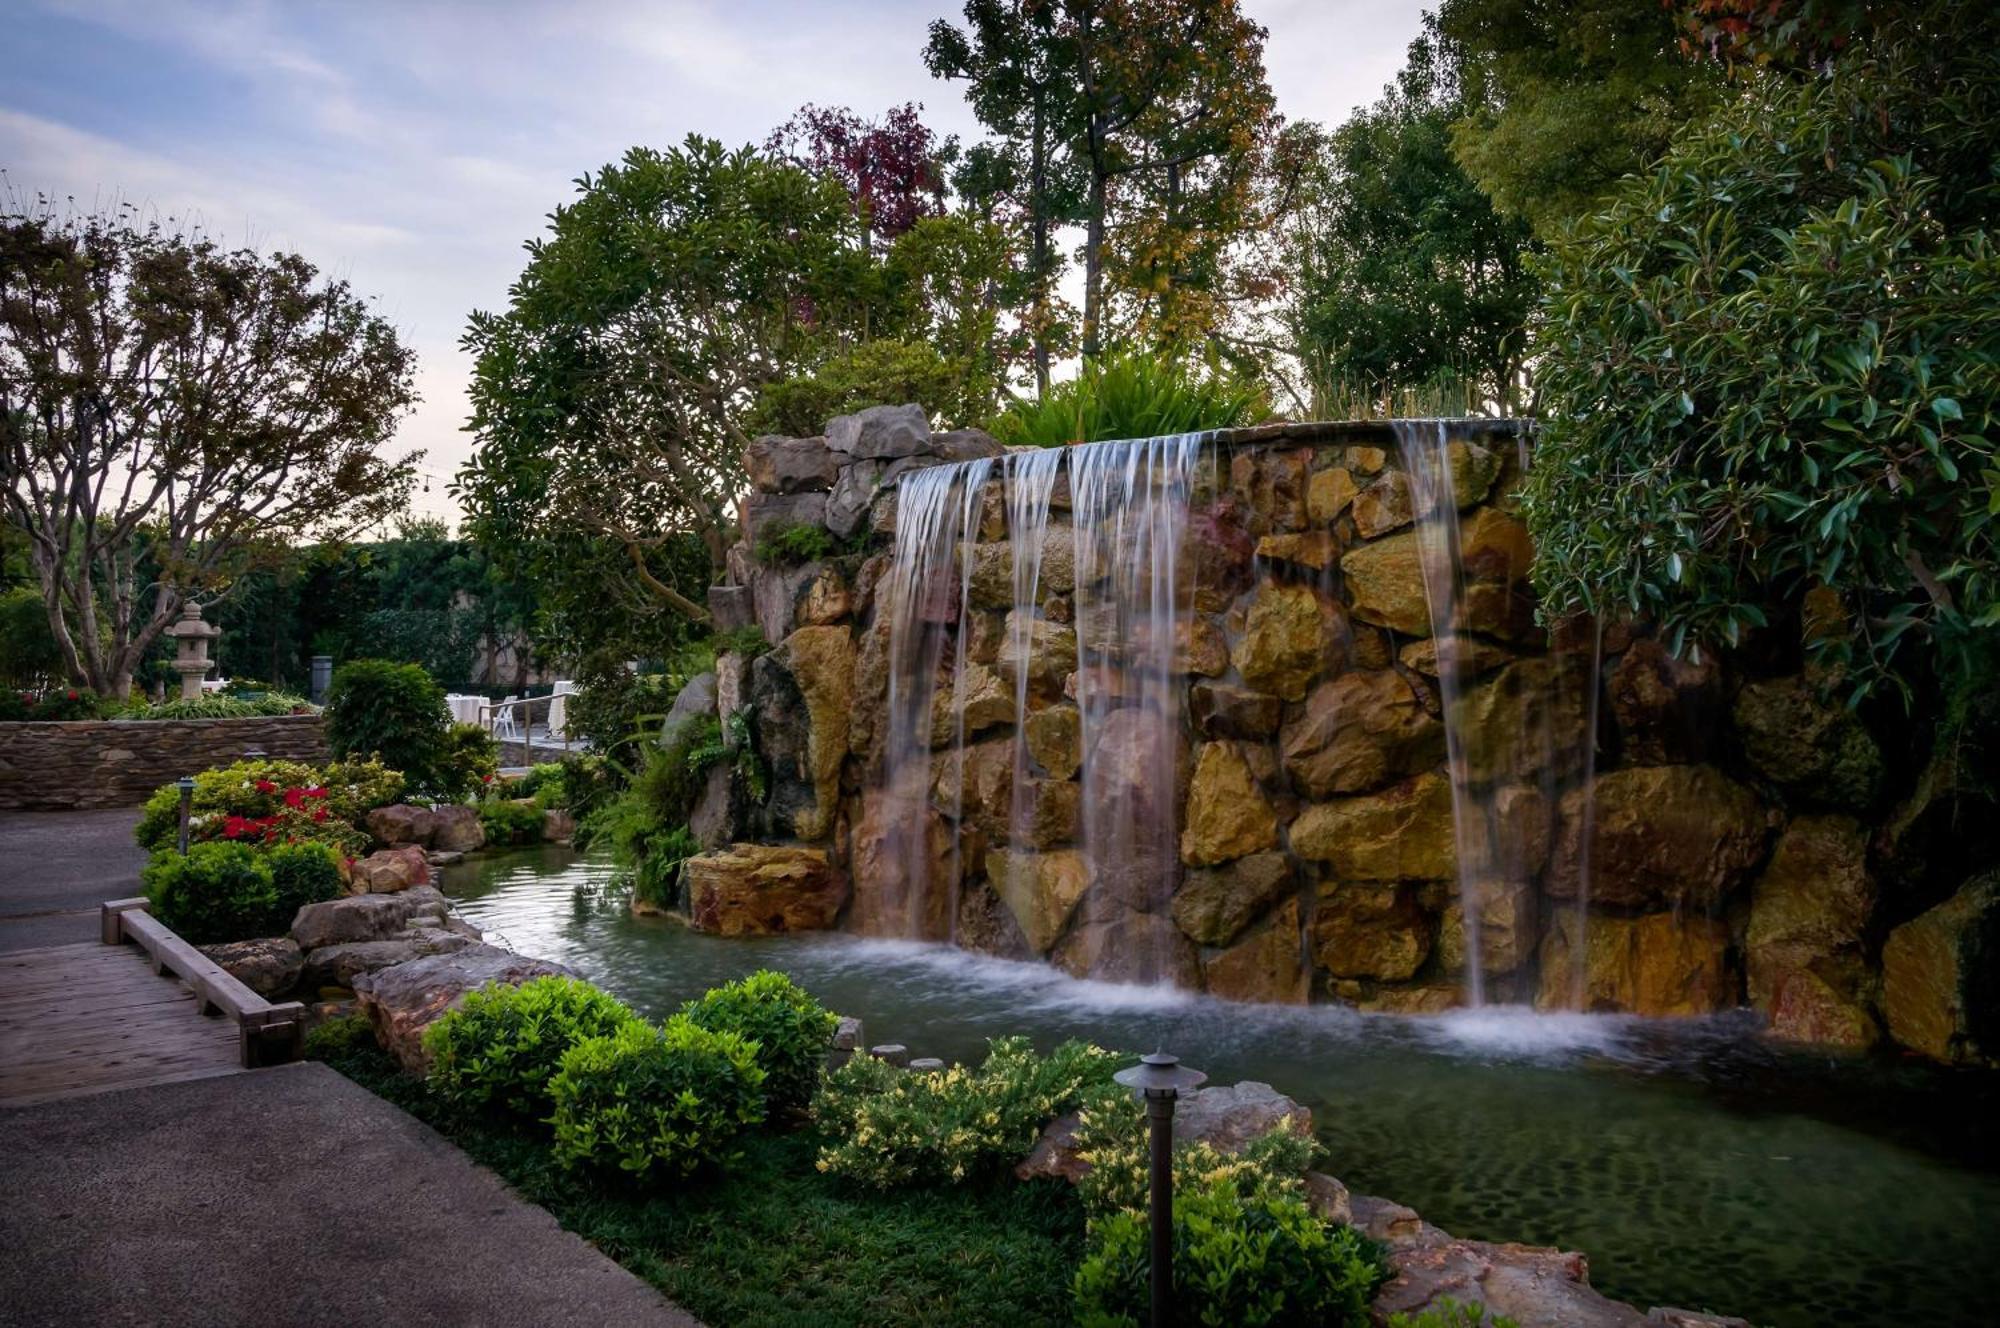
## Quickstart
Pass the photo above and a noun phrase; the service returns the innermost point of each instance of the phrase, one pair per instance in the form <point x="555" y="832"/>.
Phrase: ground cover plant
<point x="233" y="892"/>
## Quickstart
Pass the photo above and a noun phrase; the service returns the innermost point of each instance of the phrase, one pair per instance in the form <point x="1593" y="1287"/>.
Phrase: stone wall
<point x="1652" y="834"/>
<point x="117" y="763"/>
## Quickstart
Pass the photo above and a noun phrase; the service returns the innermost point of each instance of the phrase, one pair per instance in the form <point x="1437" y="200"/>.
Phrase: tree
<point x="1770" y="366"/>
<point x="1402" y="270"/>
<point x="163" y="398"/>
<point x="610" y="400"/>
<point x="893" y="169"/>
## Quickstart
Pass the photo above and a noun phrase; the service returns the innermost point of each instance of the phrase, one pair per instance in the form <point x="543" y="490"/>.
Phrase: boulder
<point x="403" y="1000"/>
<point x="269" y="966"/>
<point x="987" y="926"/>
<point x="811" y="594"/>
<point x="1143" y="948"/>
<point x="1327" y="495"/>
<point x="1228" y="815"/>
<point x="1666" y="708"/>
<point x="1939" y="990"/>
<point x="1266" y="965"/>
<point x="730" y="608"/>
<point x="1403" y="833"/>
<point x="458" y="830"/>
<point x="1370" y="931"/>
<point x="1041" y="890"/>
<point x="803" y="694"/>
<point x="1291" y="636"/>
<point x="881" y="431"/>
<point x="1658" y="965"/>
<point x="697" y="699"/>
<point x="1227" y="1118"/>
<point x="1215" y="904"/>
<point x="1043" y="652"/>
<point x="1385" y="579"/>
<point x="1315" y="549"/>
<point x="1808" y="919"/>
<point x="1383" y="506"/>
<point x="1461" y="657"/>
<point x="1385" y="584"/>
<point x="1224" y="710"/>
<point x="1055" y="1155"/>
<point x="401" y="824"/>
<point x="1217" y="554"/>
<point x="340" y="965"/>
<point x="992" y="576"/>
<point x="368" y="917"/>
<point x="766" y="513"/>
<point x="966" y="445"/>
<point x="1358" y="732"/>
<point x="558" y="826"/>
<point x="970" y="703"/>
<point x="1507" y="934"/>
<point x="1328" y="1198"/>
<point x="389" y="870"/>
<point x="791" y="465"/>
<point x="904" y="856"/>
<point x="1272" y="484"/>
<point x="764" y="890"/>
<point x="1055" y="740"/>
<point x="719" y="815"/>
<point x="1808" y="743"/>
<point x="1529" y="722"/>
<point x="1685" y="836"/>
<point x="853" y="498"/>
<point x="1138" y="769"/>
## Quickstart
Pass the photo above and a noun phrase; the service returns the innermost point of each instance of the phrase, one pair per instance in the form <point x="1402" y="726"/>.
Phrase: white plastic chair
<point x="505" y="726"/>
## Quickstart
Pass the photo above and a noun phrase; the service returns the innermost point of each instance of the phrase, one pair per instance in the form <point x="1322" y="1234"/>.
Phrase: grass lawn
<point x="773" y="1242"/>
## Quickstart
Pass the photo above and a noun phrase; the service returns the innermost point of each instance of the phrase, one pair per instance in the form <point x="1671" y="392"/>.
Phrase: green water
<point x="1693" y="1166"/>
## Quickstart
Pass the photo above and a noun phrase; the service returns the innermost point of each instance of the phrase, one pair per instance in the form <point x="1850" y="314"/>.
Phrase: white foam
<point x="1519" y="1032"/>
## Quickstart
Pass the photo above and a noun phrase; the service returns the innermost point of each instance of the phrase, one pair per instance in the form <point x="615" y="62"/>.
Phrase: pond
<point x="1695" y="1166"/>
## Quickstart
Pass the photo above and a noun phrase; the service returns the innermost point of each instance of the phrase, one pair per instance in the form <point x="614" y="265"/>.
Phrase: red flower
<point x="319" y="813"/>
<point x="72" y="693"/>
<point x="266" y="786"/>
<point x="487" y="778"/>
<point x="294" y="797"/>
<point x="315" y="792"/>
<point x="235" y="827"/>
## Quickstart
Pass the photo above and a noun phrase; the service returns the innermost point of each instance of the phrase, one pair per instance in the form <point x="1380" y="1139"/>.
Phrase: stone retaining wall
<point x="67" y="766"/>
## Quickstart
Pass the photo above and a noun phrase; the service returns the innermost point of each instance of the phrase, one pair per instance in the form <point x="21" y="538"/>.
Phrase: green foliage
<point x="1111" y="1137"/>
<point x="1132" y="395"/>
<point x="1770" y="364"/>
<point x="468" y="763"/>
<point x="792" y="545"/>
<point x="655" y="1103"/>
<point x="589" y="783"/>
<point x="646" y="824"/>
<point x="748" y="641"/>
<point x="790" y="1030"/>
<point x="1264" y="1260"/>
<point x="883" y="372"/>
<point x="499" y="1048"/>
<point x="262" y="789"/>
<point x="339" y="1038"/>
<point x="887" y="1127"/>
<point x="511" y="821"/>
<point x="213" y="706"/>
<point x="56" y="703"/>
<point x="29" y="656"/>
<point x="396" y="712"/>
<point x="1451" y="1314"/>
<point x="618" y="712"/>
<point x="232" y="892"/>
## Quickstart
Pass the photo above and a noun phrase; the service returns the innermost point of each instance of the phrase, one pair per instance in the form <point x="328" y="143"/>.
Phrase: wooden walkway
<point x="77" y="1019"/>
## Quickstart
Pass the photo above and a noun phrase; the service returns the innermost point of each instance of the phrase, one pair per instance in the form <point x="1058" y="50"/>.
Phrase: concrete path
<point x="57" y="867"/>
<point x="284" y="1196"/>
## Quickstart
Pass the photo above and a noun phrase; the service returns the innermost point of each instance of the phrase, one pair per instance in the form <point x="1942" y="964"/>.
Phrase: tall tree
<point x="893" y="169"/>
<point x="167" y="401"/>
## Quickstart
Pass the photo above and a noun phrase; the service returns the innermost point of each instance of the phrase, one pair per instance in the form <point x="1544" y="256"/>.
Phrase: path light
<point x="186" y="785"/>
<point x="1160" y="1078"/>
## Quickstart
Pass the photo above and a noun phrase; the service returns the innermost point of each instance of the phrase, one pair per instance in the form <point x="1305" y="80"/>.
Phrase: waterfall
<point x="1030" y="483"/>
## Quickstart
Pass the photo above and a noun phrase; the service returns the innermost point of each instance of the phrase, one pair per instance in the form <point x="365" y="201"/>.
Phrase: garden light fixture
<point x="186" y="785"/>
<point x="1161" y="1078"/>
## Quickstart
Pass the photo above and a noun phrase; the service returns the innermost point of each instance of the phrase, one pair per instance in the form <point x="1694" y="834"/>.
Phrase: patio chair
<point x="506" y="727"/>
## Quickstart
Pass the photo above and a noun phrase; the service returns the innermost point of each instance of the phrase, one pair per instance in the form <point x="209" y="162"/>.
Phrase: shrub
<point x="394" y="711"/>
<point x="468" y="763"/>
<point x="1452" y="1314"/>
<point x="618" y="712"/>
<point x="502" y="1045"/>
<point x="647" y="823"/>
<point x="793" y="545"/>
<point x="29" y="654"/>
<point x="1111" y="1137"/>
<point x="888" y="1127"/>
<point x="231" y="892"/>
<point x="224" y="707"/>
<point x="748" y="640"/>
<point x="655" y="1102"/>
<point x="790" y="1029"/>
<point x="1261" y="1261"/>
<point x="335" y="1039"/>
<point x="57" y="703"/>
<point x="1132" y="395"/>
<point x="511" y="821"/>
<point x="543" y="783"/>
<point x="267" y="800"/>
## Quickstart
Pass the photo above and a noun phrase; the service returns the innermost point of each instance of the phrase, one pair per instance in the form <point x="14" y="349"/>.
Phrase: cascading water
<point x="1030" y="480"/>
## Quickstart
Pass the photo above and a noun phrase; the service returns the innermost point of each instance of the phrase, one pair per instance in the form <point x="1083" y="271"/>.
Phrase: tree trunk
<point x="1093" y="264"/>
<point x="1038" y="212"/>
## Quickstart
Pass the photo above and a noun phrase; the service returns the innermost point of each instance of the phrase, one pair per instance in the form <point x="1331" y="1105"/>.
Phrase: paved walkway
<point x="57" y="867"/>
<point x="283" y="1196"/>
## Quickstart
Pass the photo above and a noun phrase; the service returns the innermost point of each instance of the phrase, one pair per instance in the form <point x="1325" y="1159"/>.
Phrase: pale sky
<point x="411" y="147"/>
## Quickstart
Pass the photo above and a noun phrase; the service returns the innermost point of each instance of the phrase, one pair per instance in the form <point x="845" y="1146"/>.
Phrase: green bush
<point x="224" y="707"/>
<point x="267" y="791"/>
<point x="468" y="763"/>
<point x="790" y="1030"/>
<point x="511" y="822"/>
<point x="793" y="545"/>
<point x="1132" y="395"/>
<point x="231" y="892"/>
<point x="1265" y="1262"/>
<point x="1111" y="1137"/>
<point x="29" y="655"/>
<point x="500" y="1048"/>
<point x="887" y="1127"/>
<point x="57" y="703"/>
<point x="654" y="1103"/>
<point x="748" y="641"/>
<point x="647" y="823"/>
<point x="1451" y="1314"/>
<point x="334" y="1039"/>
<point x="396" y="712"/>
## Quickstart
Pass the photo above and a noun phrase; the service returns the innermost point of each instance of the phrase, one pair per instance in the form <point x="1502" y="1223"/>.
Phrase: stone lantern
<point x="192" y="636"/>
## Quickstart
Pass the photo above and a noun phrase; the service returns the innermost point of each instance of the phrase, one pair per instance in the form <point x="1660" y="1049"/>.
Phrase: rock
<point x="987" y="926"/>
<point x="1215" y="904"/>
<point x="1266" y="965"/>
<point x="402" y="1001"/>
<point x="1328" y="1199"/>
<point x="1143" y="948"/>
<point x="791" y="465"/>
<point x="881" y="431"/>
<point x="1463" y="657"/>
<point x="390" y="870"/>
<point x="1291" y="635"/>
<point x="1385" y="584"/>
<point x="1383" y="506"/>
<point x="1316" y="549"/>
<point x="1138" y="770"/>
<point x="1524" y="1284"/>
<point x="1223" y="710"/>
<point x="1407" y="999"/>
<point x="732" y="685"/>
<point x="969" y="704"/>
<point x="1271" y="483"/>
<point x="1358" y="732"/>
<point x="766" y="513"/>
<point x="903" y="861"/>
<point x="821" y="661"/>
<point x="1507" y="934"/>
<point x="1055" y="740"/>
<point x="1054" y="1156"/>
<point x="1666" y="708"/>
<point x="1803" y="946"/>
<point x="853" y="496"/>
<point x="341" y="965"/>
<point x="809" y="595"/>
<point x="730" y="608"/>
<point x="1658" y="965"/>
<point x="1228" y="815"/>
<point x="1217" y="554"/>
<point x="1370" y="931"/>
<point x="1327" y="495"/>
<point x="1385" y="579"/>
<point x="458" y="830"/>
<point x="1530" y="722"/>
<point x="1681" y="835"/>
<point x="269" y="966"/>
<point x="1231" y="1117"/>
<point x="1043" y="651"/>
<point x="1938" y="987"/>
<point x="926" y="1065"/>
<point x="368" y="917"/>
<point x="992" y="579"/>
<point x="966" y="445"/>
<point x="1473" y="470"/>
<point x="401" y="824"/>
<point x="764" y="890"/>
<point x="558" y="826"/>
<point x="1810" y="745"/>
<point x="1403" y="833"/>
<point x="1041" y="890"/>
<point x="719" y="815"/>
<point x="697" y="699"/>
<point x="1389" y="1223"/>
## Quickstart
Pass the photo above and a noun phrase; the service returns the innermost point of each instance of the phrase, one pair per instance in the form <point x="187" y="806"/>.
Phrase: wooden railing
<point x="267" y="1034"/>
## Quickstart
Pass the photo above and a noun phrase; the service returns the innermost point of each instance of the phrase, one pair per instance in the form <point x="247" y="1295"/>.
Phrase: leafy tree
<point x="1403" y="272"/>
<point x="165" y="399"/>
<point x="1771" y="364"/>
<point x="893" y="169"/>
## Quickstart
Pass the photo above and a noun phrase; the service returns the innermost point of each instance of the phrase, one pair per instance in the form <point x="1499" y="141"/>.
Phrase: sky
<point x="410" y="147"/>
